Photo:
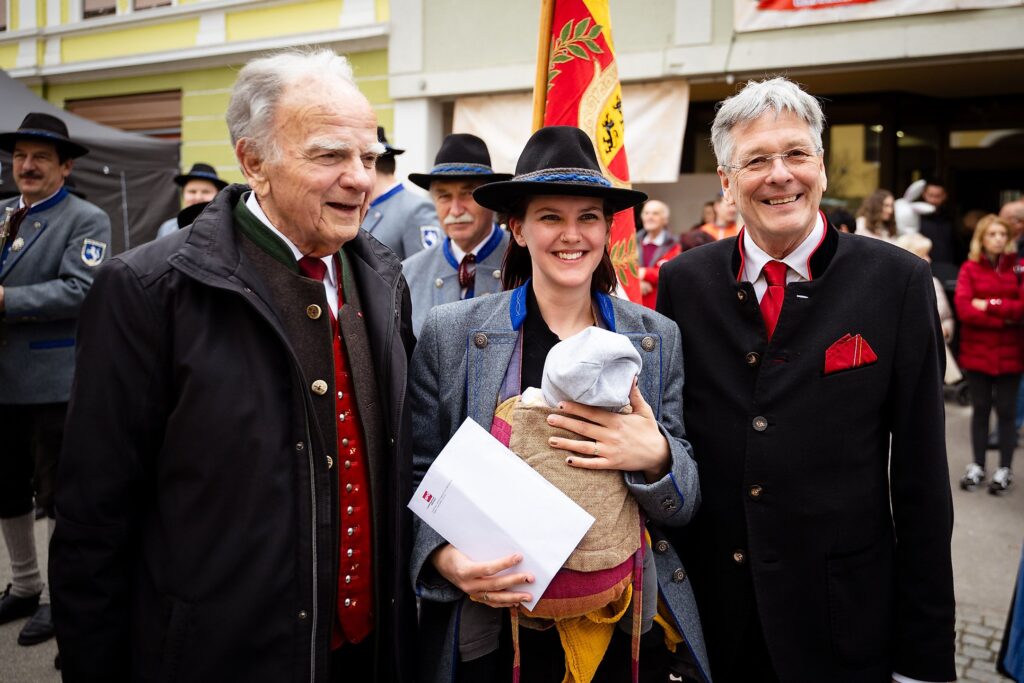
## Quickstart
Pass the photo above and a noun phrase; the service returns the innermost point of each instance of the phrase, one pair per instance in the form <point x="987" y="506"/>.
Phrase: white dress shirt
<point x="799" y="270"/>
<point x="330" y="280"/>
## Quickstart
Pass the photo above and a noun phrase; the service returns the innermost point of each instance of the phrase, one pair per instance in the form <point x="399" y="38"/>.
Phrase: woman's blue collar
<point x="517" y="307"/>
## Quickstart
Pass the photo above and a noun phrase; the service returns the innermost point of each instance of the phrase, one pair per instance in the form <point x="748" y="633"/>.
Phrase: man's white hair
<point x="776" y="95"/>
<point x="260" y="83"/>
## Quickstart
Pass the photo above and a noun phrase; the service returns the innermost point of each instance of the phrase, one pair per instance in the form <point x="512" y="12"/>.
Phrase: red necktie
<point x="313" y="268"/>
<point x="467" y="271"/>
<point x="771" y="302"/>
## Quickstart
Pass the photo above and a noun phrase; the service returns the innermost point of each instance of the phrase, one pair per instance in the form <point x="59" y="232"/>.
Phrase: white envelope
<point x="489" y="504"/>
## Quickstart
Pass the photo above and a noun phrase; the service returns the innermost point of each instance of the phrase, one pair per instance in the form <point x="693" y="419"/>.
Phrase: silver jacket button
<point x="480" y="340"/>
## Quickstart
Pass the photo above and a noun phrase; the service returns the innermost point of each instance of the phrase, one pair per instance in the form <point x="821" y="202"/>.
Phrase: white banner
<point x="758" y="15"/>
<point x="655" y="115"/>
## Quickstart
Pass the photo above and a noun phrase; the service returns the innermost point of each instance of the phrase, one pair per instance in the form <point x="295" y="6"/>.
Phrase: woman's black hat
<point x="462" y="157"/>
<point x="44" y="128"/>
<point x="200" y="171"/>
<point x="388" y="149"/>
<point x="557" y="160"/>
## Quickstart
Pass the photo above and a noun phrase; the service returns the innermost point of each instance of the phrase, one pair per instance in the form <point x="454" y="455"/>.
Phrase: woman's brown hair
<point x="517" y="266"/>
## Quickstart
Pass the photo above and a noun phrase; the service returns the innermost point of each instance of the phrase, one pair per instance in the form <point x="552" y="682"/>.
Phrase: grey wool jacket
<point x="403" y="221"/>
<point x="457" y="368"/>
<point x="45" y="279"/>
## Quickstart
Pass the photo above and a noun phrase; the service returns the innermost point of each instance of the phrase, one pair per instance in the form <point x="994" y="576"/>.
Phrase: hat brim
<point x="181" y="180"/>
<point x="424" y="179"/>
<point x="73" y="149"/>
<point x="502" y="196"/>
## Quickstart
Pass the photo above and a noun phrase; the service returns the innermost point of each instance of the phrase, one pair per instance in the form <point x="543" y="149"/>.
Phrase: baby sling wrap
<point x="604" y="574"/>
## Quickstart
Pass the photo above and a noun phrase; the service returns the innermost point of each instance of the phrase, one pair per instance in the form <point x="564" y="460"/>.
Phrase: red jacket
<point x="991" y="341"/>
<point x="651" y="274"/>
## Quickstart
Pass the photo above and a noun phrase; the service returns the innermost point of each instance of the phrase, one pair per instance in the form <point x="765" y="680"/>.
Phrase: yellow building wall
<point x="8" y="55"/>
<point x="129" y="41"/>
<point x="383" y="10"/>
<point x="282" y="20"/>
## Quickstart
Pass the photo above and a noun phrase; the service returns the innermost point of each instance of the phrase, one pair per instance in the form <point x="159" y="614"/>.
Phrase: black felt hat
<point x="388" y="149"/>
<point x="43" y="128"/>
<point x="462" y="157"/>
<point x="200" y="171"/>
<point x="557" y="160"/>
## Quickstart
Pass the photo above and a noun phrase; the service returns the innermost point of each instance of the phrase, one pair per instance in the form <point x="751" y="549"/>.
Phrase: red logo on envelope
<point x="852" y="351"/>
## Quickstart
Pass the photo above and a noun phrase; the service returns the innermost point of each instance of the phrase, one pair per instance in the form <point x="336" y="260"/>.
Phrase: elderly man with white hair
<point x="813" y="400"/>
<point x="230" y="506"/>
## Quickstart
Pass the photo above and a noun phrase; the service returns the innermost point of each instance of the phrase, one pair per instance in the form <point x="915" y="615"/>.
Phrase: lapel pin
<point x="17" y="244"/>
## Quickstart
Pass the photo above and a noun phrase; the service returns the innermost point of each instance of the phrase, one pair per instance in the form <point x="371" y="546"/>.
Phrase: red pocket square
<point x="852" y="351"/>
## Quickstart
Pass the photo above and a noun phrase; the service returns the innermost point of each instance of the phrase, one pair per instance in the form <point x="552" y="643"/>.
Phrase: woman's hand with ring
<point x="482" y="581"/>
<point x="614" y="441"/>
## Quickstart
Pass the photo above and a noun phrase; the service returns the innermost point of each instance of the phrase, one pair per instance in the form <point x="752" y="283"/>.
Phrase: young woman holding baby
<point x="473" y="355"/>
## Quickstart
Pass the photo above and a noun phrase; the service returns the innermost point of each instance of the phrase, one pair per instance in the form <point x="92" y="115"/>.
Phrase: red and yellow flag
<point x="578" y="85"/>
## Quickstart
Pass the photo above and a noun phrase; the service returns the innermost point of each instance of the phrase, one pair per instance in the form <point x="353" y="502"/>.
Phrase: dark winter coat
<point x="991" y="341"/>
<point x="826" y="513"/>
<point x="197" y="506"/>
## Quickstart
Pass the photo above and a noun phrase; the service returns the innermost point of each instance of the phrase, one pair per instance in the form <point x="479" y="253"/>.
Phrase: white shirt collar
<point x="459" y="254"/>
<point x="656" y="241"/>
<point x="21" y="199"/>
<point x="330" y="282"/>
<point x="754" y="259"/>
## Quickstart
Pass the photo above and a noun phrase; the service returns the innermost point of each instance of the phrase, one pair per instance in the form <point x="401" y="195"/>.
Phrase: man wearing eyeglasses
<point x="813" y="400"/>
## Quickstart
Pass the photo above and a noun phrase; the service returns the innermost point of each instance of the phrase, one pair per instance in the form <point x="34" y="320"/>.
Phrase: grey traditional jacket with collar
<point x="404" y="222"/>
<point x="457" y="369"/>
<point x="432" y="280"/>
<point x="45" y="281"/>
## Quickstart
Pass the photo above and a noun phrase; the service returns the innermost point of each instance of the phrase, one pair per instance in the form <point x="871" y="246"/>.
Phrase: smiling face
<point x="779" y="203"/>
<point x="316" y="189"/>
<point x="38" y="170"/>
<point x="465" y="221"/>
<point x="566" y="237"/>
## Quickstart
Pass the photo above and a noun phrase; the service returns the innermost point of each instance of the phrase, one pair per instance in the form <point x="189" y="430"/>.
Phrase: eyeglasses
<point x="792" y="159"/>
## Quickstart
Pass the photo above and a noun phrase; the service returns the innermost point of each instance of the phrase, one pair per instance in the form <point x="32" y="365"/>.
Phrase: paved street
<point x="987" y="541"/>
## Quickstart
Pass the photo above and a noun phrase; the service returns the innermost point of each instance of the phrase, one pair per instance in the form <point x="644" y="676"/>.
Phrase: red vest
<point x="354" y="620"/>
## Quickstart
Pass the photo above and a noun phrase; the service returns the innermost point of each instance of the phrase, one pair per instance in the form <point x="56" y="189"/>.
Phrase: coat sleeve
<point x="61" y="298"/>
<point x="112" y="429"/>
<point x="412" y="237"/>
<point x="965" y="293"/>
<point x="430" y="437"/>
<point x="923" y="637"/>
<point x="674" y="498"/>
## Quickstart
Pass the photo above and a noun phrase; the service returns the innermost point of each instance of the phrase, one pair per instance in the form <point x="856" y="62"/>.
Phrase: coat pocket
<point x="176" y="641"/>
<point x="860" y="594"/>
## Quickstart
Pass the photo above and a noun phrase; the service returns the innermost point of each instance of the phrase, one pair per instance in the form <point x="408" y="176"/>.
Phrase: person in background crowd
<point x="875" y="216"/>
<point x="694" y="239"/>
<point x="199" y="186"/>
<point x="921" y="246"/>
<point x="843" y="220"/>
<point x="938" y="226"/>
<point x="990" y="307"/>
<point x="707" y="215"/>
<point x="655" y="245"/>
<point x="1012" y="214"/>
<point x="47" y="265"/>
<point x="467" y="262"/>
<point x="403" y="221"/>
<point x="724" y="225"/>
<point x="818" y="553"/>
<point x="474" y="355"/>
<point x="231" y="503"/>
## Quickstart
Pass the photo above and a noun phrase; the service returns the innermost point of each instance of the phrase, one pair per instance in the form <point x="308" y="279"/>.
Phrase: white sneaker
<point x="1001" y="480"/>
<point x="974" y="476"/>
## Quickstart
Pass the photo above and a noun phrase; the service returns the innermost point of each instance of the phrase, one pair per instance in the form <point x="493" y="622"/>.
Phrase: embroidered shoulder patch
<point x="93" y="252"/>
<point x="429" y="235"/>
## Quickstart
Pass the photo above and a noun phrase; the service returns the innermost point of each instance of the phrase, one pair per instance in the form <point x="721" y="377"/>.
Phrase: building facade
<point x="165" y="67"/>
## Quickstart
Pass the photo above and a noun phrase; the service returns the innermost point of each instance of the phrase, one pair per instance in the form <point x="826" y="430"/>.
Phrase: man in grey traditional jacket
<point x="54" y="243"/>
<point x="467" y="262"/>
<point x="403" y="221"/>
